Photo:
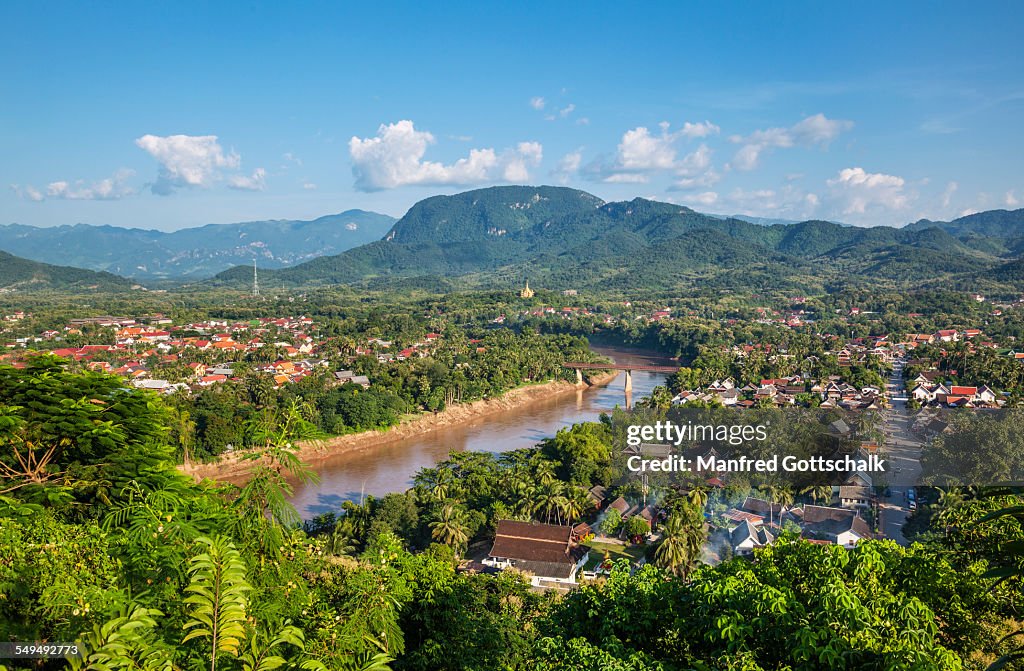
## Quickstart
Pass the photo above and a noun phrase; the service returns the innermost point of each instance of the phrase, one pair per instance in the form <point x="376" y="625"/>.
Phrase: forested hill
<point x="1007" y="224"/>
<point x="565" y="238"/>
<point x="487" y="214"/>
<point x="194" y="253"/>
<point x="18" y="274"/>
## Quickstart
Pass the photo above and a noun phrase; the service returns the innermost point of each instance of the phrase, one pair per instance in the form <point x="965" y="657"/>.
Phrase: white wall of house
<point x="847" y="539"/>
<point x="745" y="547"/>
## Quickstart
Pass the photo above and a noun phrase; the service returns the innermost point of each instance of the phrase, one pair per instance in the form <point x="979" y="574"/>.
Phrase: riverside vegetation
<point x="103" y="542"/>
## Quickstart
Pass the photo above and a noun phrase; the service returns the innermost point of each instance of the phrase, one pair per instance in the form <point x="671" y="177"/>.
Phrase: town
<point x="904" y="378"/>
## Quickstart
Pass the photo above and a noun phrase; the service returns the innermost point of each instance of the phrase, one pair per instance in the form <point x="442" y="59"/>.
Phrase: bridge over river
<point x="580" y="366"/>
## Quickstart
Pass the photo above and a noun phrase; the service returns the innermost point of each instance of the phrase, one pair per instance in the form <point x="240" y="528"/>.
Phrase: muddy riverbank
<point x="233" y="468"/>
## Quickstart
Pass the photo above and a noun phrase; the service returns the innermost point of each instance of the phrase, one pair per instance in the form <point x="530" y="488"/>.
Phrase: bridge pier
<point x="629" y="381"/>
<point x="579" y="377"/>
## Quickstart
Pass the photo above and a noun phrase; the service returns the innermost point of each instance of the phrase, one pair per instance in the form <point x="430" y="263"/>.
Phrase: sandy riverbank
<point x="232" y="468"/>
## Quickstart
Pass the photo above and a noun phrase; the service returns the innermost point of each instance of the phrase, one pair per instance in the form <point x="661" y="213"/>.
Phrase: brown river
<point x="389" y="467"/>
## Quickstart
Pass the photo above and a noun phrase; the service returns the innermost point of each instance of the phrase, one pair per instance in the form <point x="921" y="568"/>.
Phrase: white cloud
<point x="639" y="150"/>
<point x="626" y="178"/>
<point x="642" y="152"/>
<point x="856" y="191"/>
<point x="706" y="198"/>
<point x="947" y="194"/>
<point x="309" y="186"/>
<point x="27" y="192"/>
<point x="290" y="158"/>
<point x="583" y="121"/>
<point x="1011" y="199"/>
<point x="394" y="158"/>
<point x="186" y="160"/>
<point x="814" y="130"/>
<point x="758" y="202"/>
<point x="694" y="170"/>
<point x="110" y="188"/>
<point x="695" y="162"/>
<point x="518" y="163"/>
<point x="255" y="182"/>
<point x="568" y="166"/>
<point x="351" y="226"/>
<point x="537" y="103"/>
<point x="789" y="202"/>
<point x="702" y="181"/>
<point x="819" y="129"/>
<point x="564" y="113"/>
<point x="969" y="211"/>
<point x="699" y="129"/>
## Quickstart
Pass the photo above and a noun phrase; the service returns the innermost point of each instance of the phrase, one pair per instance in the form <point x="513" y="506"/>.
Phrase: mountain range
<point x="194" y="253"/>
<point x="564" y="238"/>
<point x="556" y="237"/>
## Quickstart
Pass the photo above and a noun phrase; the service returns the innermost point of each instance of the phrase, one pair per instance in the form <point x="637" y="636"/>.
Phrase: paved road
<point x="903" y="450"/>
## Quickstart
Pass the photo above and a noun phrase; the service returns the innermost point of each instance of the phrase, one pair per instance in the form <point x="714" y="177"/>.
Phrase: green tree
<point x="612" y="522"/>
<point x="682" y="537"/>
<point x="637" y="526"/>
<point x="450" y="527"/>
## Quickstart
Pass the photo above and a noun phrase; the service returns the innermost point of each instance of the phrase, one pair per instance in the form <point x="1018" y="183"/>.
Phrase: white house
<point x="841" y="526"/>
<point x="745" y="537"/>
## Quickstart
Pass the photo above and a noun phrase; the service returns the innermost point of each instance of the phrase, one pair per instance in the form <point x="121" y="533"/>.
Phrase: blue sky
<point x="166" y="115"/>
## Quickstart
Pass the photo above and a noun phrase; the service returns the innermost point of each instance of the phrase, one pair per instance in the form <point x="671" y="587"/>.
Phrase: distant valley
<point x="193" y="253"/>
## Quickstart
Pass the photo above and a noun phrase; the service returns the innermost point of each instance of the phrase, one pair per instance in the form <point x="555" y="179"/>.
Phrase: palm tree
<point x="519" y="484"/>
<point x="681" y="539"/>
<point x="550" y="499"/>
<point x="443" y="484"/>
<point x="771" y="494"/>
<point x="783" y="496"/>
<point x="698" y="496"/>
<point x="545" y="472"/>
<point x="340" y="542"/>
<point x="824" y="492"/>
<point x="433" y="484"/>
<point x="357" y="517"/>
<point x="577" y="503"/>
<point x="672" y="552"/>
<point x="450" y="527"/>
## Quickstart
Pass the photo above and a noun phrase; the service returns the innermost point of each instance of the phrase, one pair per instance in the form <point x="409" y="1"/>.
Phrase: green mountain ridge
<point x="194" y="253"/>
<point x="988" y="224"/>
<point x="23" y="275"/>
<point x="565" y="238"/>
<point x="485" y="214"/>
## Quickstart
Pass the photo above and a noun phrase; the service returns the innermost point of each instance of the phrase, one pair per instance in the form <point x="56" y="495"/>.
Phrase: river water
<point x="389" y="467"/>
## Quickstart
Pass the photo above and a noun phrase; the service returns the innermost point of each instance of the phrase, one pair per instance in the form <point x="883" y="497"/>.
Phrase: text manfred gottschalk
<point x="666" y="433"/>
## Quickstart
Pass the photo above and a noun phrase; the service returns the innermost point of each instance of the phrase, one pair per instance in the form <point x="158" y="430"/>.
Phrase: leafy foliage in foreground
<point x="163" y="573"/>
